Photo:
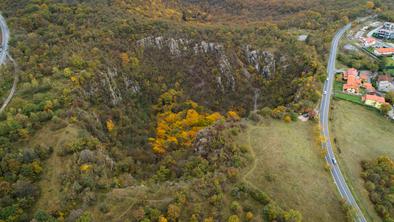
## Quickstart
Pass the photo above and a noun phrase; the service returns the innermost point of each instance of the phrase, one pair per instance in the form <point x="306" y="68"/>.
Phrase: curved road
<point x="5" y="37"/>
<point x="339" y="180"/>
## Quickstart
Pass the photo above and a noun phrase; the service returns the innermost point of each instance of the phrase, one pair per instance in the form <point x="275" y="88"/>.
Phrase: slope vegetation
<point x="361" y="134"/>
<point x="289" y="167"/>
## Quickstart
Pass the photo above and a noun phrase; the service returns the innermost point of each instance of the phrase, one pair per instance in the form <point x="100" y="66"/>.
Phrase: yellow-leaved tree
<point x="233" y="115"/>
<point x="176" y="130"/>
<point x="125" y="58"/>
<point x="110" y="125"/>
<point x="162" y="219"/>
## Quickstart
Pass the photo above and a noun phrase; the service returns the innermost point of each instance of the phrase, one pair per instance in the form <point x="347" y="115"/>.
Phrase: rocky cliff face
<point x="262" y="61"/>
<point x="210" y="73"/>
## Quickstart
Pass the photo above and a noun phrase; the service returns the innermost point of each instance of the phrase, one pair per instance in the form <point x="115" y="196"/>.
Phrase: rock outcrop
<point x="262" y="61"/>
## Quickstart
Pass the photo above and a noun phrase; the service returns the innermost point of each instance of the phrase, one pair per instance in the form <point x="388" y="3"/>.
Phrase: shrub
<point x="42" y="216"/>
<point x="233" y="218"/>
<point x="249" y="216"/>
<point x="236" y="207"/>
<point x="287" y="119"/>
<point x="254" y="116"/>
<point x="265" y="112"/>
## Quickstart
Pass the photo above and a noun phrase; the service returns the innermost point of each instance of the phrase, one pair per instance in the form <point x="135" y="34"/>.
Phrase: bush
<point x="287" y="119"/>
<point x="278" y="112"/>
<point x="233" y="218"/>
<point x="265" y="112"/>
<point x="236" y="207"/>
<point x="249" y="216"/>
<point x="42" y="216"/>
<point x="260" y="197"/>
<point x="254" y="116"/>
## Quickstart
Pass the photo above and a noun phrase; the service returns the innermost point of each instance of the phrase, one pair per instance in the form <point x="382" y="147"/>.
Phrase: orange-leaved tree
<point x="178" y="129"/>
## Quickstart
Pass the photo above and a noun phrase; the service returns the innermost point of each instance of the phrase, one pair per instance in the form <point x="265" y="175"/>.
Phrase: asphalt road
<point x="339" y="180"/>
<point x="5" y="36"/>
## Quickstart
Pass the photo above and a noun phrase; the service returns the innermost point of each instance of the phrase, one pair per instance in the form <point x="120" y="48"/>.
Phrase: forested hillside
<point x="126" y="110"/>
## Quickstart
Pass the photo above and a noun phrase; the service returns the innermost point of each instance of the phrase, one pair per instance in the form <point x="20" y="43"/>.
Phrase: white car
<point x="325" y="92"/>
<point x="328" y="79"/>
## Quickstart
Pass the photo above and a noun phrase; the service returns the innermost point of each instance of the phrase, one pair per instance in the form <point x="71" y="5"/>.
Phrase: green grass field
<point x="288" y="166"/>
<point x="360" y="134"/>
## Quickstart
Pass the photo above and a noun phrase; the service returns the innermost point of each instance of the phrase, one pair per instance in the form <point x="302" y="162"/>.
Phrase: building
<point x="387" y="31"/>
<point x="384" y="51"/>
<point x="385" y="77"/>
<point x="352" y="85"/>
<point x="373" y="100"/>
<point x="351" y="71"/>
<point x="367" y="42"/>
<point x="369" y="88"/>
<point x="385" y="83"/>
<point x="388" y="26"/>
<point x="385" y="86"/>
<point x="365" y="76"/>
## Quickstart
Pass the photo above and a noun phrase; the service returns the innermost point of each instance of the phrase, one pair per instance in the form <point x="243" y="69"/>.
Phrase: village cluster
<point x="372" y="86"/>
<point x="373" y="40"/>
<point x="360" y="83"/>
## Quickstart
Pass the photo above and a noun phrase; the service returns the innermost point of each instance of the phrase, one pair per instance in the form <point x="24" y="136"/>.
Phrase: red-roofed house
<point x="384" y="78"/>
<point x="370" y="89"/>
<point x="367" y="42"/>
<point x="364" y="77"/>
<point x="384" y="51"/>
<point x="353" y="84"/>
<point x="374" y="100"/>
<point x="351" y="71"/>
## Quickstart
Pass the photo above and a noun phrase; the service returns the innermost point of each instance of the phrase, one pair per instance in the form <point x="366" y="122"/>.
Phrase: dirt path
<point x="254" y="164"/>
<point x="50" y="183"/>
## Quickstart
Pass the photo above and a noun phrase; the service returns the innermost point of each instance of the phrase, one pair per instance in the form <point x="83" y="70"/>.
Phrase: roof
<point x="351" y="71"/>
<point x="364" y="76"/>
<point x="352" y="79"/>
<point x="369" y="40"/>
<point x="349" y="86"/>
<point x="385" y="78"/>
<point x="375" y="98"/>
<point x="385" y="50"/>
<point x="367" y="72"/>
<point x="368" y="86"/>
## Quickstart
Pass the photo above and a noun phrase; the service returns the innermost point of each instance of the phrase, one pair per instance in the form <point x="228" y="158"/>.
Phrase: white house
<point x="387" y="31"/>
<point x="367" y="42"/>
<point x="385" y="86"/>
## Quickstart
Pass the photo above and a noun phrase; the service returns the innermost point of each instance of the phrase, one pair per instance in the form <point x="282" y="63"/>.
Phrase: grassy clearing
<point x="360" y="134"/>
<point x="289" y="167"/>
<point x="51" y="187"/>
<point x="350" y="98"/>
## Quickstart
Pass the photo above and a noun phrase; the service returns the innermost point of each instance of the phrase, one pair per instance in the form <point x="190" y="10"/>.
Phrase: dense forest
<point x="126" y="110"/>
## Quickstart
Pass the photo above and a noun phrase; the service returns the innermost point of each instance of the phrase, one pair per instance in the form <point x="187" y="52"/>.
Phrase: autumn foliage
<point x="110" y="125"/>
<point x="178" y="129"/>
